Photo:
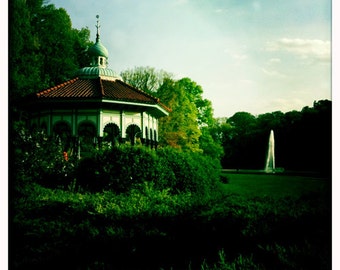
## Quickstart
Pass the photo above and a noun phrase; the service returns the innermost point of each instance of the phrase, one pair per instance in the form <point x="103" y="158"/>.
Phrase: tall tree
<point x="24" y="58"/>
<point x="243" y="143"/>
<point x="180" y="128"/>
<point x="205" y="120"/>
<point x="44" y="49"/>
<point x="203" y="106"/>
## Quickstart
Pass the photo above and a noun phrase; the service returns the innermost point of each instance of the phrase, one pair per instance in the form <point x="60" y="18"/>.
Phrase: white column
<point x="122" y="124"/>
<point x="100" y="123"/>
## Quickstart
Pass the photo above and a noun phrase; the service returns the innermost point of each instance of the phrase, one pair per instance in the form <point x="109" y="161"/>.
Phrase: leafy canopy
<point x="44" y="48"/>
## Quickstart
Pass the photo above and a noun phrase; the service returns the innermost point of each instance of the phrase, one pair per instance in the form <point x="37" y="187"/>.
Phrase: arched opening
<point x="133" y="134"/>
<point x="62" y="133"/>
<point x="87" y="136"/>
<point x="111" y="134"/>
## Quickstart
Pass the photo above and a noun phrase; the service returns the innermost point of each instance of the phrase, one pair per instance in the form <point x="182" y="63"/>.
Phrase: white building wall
<point x="131" y="118"/>
<point x="108" y="117"/>
<point x="100" y="118"/>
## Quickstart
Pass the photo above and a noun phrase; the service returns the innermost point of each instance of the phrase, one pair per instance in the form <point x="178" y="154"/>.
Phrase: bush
<point x="38" y="158"/>
<point x="125" y="167"/>
<point x="120" y="168"/>
<point x="190" y="171"/>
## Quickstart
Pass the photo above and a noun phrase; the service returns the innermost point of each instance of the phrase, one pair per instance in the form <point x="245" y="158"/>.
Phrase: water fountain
<point x="270" y="162"/>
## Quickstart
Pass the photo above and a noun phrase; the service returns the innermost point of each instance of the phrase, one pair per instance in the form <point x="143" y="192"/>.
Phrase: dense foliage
<point x="40" y="159"/>
<point x="44" y="49"/>
<point x="188" y="125"/>
<point x="122" y="168"/>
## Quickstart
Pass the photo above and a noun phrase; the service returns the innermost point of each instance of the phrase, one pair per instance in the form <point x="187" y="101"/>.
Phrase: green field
<point x="273" y="185"/>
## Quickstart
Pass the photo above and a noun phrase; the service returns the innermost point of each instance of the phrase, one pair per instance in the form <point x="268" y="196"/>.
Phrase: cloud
<point x="274" y="61"/>
<point x="311" y="49"/>
<point x="236" y="55"/>
<point x="220" y="10"/>
<point x="273" y="73"/>
<point x="239" y="56"/>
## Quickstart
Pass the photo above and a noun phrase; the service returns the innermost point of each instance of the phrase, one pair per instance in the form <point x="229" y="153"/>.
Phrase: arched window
<point x="87" y="135"/>
<point x="111" y="134"/>
<point x="133" y="133"/>
<point x="62" y="133"/>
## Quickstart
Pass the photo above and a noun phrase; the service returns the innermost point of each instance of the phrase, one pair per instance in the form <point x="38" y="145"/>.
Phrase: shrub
<point x="190" y="171"/>
<point x="125" y="167"/>
<point x="119" y="168"/>
<point x="38" y="158"/>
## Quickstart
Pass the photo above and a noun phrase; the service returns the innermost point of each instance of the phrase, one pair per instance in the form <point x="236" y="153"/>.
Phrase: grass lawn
<point x="273" y="185"/>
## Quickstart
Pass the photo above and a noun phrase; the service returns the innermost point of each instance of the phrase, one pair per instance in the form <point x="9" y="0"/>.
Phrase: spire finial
<point x="97" y="26"/>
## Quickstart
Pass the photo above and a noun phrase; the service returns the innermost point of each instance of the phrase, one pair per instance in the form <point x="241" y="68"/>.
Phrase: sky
<point x="256" y="56"/>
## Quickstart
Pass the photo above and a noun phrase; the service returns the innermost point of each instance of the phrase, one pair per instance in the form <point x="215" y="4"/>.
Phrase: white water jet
<point x="270" y="162"/>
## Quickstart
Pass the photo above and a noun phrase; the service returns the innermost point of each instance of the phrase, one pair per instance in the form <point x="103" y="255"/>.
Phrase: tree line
<point x="43" y="53"/>
<point x="303" y="139"/>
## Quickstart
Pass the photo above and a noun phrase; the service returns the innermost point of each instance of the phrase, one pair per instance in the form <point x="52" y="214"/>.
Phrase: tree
<point x="44" y="49"/>
<point x="210" y="146"/>
<point x="270" y="121"/>
<point x="203" y="106"/>
<point x="205" y="120"/>
<point x="243" y="122"/>
<point x="146" y="79"/>
<point x="187" y="127"/>
<point x="245" y="145"/>
<point x="24" y="58"/>
<point x="180" y="128"/>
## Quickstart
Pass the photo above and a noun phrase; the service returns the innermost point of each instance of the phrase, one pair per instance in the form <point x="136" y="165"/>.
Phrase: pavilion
<point x="96" y="108"/>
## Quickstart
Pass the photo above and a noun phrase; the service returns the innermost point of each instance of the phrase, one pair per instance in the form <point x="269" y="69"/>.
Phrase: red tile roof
<point x="98" y="89"/>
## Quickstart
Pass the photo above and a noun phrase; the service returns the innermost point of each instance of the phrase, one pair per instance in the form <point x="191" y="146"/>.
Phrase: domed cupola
<point x="98" y="52"/>
<point x="99" y="56"/>
<point x="98" y="49"/>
